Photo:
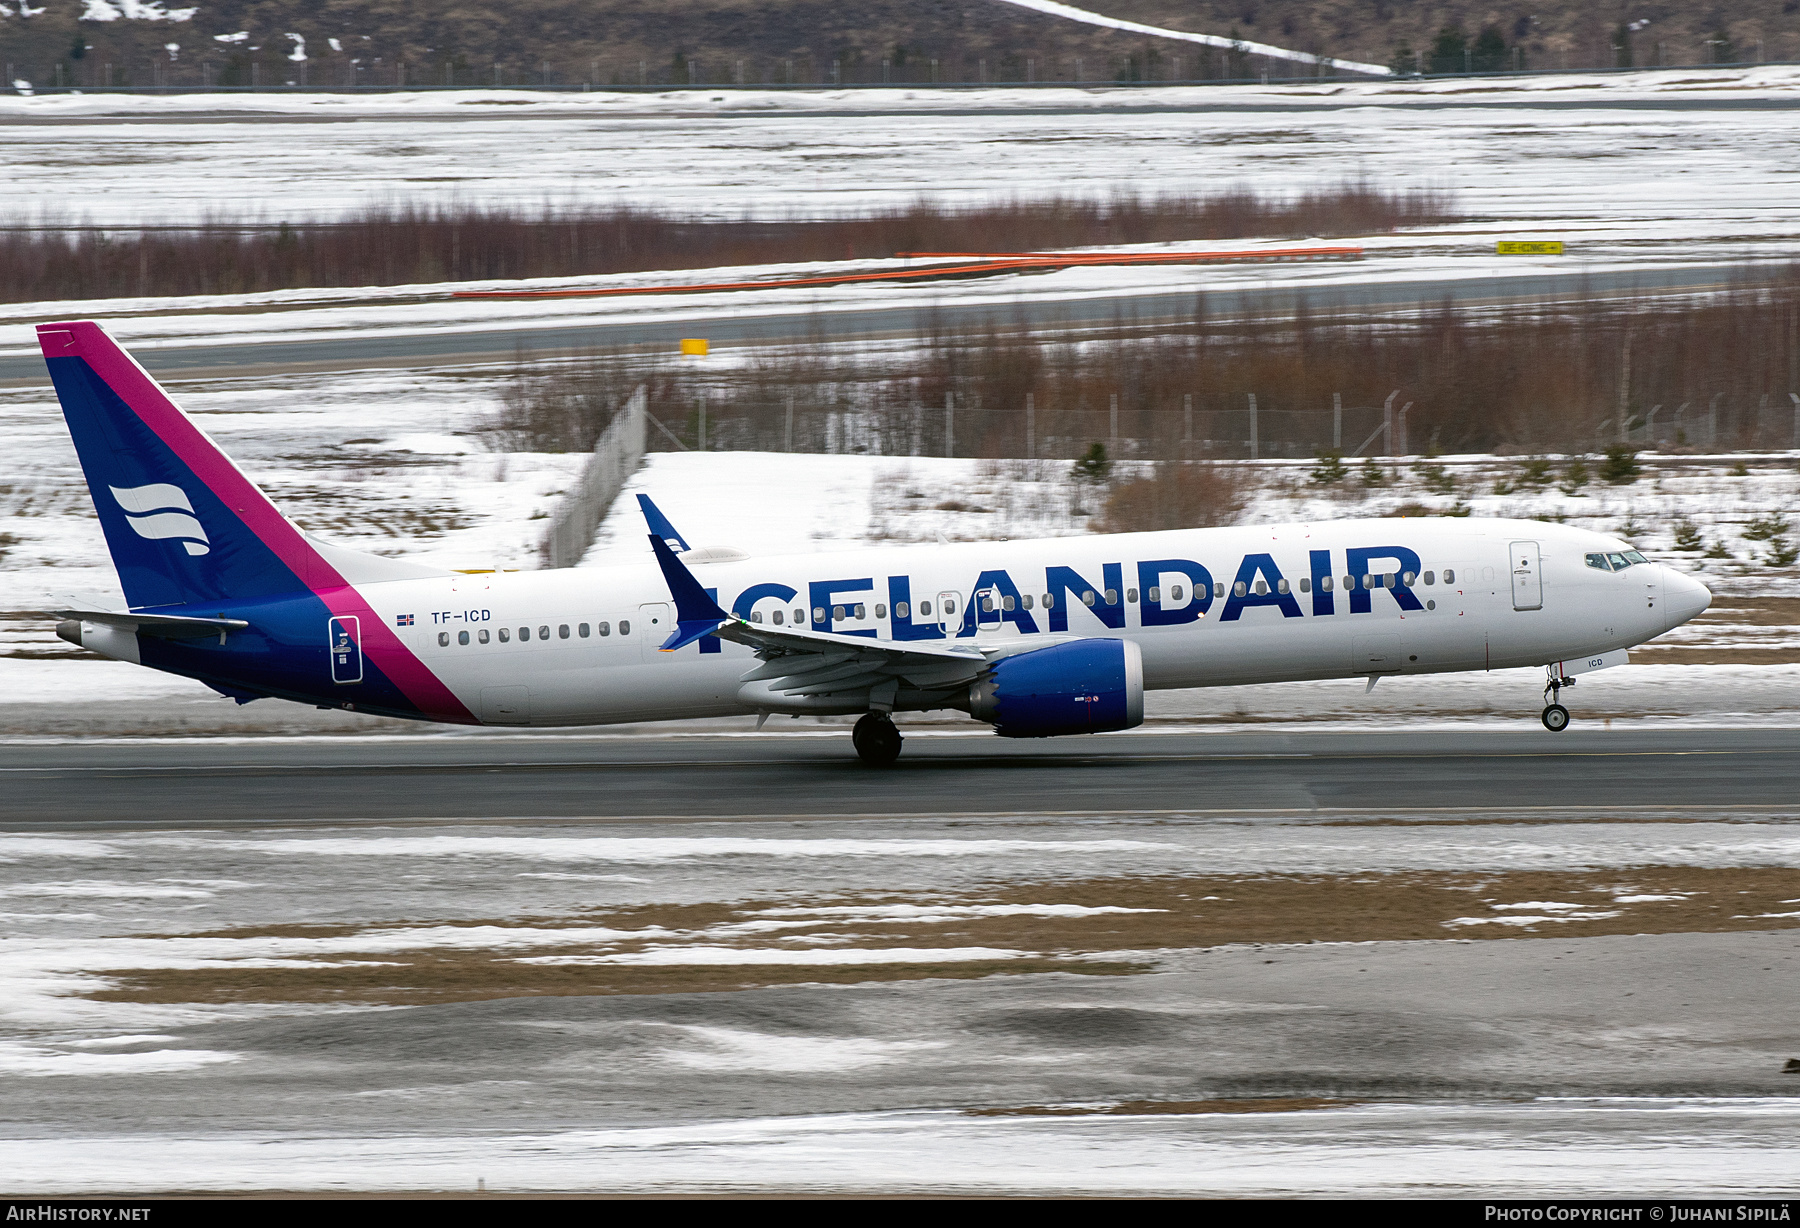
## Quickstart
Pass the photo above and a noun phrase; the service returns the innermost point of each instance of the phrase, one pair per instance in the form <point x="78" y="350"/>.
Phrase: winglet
<point x="660" y="526"/>
<point x="696" y="614"/>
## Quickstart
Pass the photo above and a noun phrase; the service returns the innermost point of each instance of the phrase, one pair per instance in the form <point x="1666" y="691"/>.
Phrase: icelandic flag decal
<point x="403" y="620"/>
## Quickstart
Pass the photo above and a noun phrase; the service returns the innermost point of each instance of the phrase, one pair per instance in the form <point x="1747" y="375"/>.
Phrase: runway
<point x="742" y="322"/>
<point x="1585" y="772"/>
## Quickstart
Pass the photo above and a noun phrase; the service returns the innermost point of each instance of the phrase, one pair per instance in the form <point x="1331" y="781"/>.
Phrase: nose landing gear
<point x="876" y="740"/>
<point x="1556" y="717"/>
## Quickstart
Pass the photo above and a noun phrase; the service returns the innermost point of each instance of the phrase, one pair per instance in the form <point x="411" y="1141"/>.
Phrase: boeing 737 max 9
<point x="1036" y="638"/>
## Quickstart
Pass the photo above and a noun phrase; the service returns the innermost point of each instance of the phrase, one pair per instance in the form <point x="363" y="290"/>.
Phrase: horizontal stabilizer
<point x="163" y="626"/>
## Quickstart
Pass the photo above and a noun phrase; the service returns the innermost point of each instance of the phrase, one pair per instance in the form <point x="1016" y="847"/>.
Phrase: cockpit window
<point x="1615" y="561"/>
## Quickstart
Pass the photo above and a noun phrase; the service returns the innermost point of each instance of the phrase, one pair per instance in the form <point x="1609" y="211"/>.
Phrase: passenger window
<point x="837" y="613"/>
<point x="624" y="626"/>
<point x="1387" y="581"/>
<point x="1262" y="588"/>
<point x="779" y="617"/>
<point x="1368" y="581"/>
<point x="1153" y="595"/>
<point x="1049" y="601"/>
<point x="1281" y="586"/>
<point x="1112" y="596"/>
<point x="1218" y="589"/>
<point x="880" y="610"/>
<point x="819" y="614"/>
<point x="544" y="632"/>
<point x="603" y="628"/>
<point x="949" y="607"/>
<point x="1131" y="596"/>
<point x="1408" y="578"/>
<point x="1449" y="576"/>
<point x="562" y="632"/>
<point x="1027" y="600"/>
<point x="1175" y="592"/>
<point x="1087" y="598"/>
<point x="1430" y="578"/>
<point x="902" y="609"/>
<point x="924" y="609"/>
<point x="443" y="639"/>
<point x="987" y="605"/>
<point x="481" y="636"/>
<point x="1349" y="583"/>
<point x="755" y="616"/>
<point x="582" y="631"/>
<point x="862" y="611"/>
<point x="799" y="618"/>
<point x="1305" y="584"/>
<point x="505" y="635"/>
<point x="524" y="634"/>
<point x="1008" y="604"/>
<point x="462" y="637"/>
<point x="1324" y="584"/>
<point x="1239" y="589"/>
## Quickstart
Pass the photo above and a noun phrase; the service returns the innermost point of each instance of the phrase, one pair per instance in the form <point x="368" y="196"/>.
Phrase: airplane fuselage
<point x="1206" y="607"/>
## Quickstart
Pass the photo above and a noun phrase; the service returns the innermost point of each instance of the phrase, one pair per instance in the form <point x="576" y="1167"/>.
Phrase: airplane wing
<point x="659" y="525"/>
<point x="797" y="661"/>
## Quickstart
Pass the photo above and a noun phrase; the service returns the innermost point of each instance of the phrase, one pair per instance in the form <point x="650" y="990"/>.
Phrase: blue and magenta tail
<point x="191" y="534"/>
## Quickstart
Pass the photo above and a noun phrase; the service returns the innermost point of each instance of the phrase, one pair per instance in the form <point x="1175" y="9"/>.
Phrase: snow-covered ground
<point x="1502" y="146"/>
<point x="1624" y="188"/>
<point x="1601" y="1147"/>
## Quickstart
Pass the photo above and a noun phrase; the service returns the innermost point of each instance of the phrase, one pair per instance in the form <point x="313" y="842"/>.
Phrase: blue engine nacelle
<point x="1087" y="686"/>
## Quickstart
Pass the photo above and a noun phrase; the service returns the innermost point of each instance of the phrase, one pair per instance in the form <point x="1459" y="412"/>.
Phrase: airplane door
<point x="655" y="622"/>
<point x="344" y="638"/>
<point x="949" y="614"/>
<point x="1527" y="583"/>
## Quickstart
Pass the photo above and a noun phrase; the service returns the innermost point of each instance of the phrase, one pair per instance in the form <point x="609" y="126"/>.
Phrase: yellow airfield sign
<point x="1509" y="247"/>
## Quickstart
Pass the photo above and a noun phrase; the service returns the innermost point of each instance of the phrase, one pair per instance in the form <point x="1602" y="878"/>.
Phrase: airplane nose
<point x="1683" y="597"/>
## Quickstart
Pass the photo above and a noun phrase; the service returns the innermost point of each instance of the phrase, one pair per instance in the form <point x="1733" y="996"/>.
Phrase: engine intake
<point x="1088" y="686"/>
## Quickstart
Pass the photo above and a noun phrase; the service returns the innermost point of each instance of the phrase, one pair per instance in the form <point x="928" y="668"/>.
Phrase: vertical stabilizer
<point x="182" y="521"/>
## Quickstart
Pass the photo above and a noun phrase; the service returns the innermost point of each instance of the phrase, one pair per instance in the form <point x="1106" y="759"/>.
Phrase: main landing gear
<point x="876" y="740"/>
<point x="1556" y="717"/>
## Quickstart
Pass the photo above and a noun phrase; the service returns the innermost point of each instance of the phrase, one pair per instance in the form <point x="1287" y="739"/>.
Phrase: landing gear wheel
<point x="1556" y="718"/>
<point x="876" y="740"/>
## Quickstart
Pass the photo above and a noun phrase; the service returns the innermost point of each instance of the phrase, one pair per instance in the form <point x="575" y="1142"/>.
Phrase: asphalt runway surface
<point x="1584" y="773"/>
<point x="742" y="323"/>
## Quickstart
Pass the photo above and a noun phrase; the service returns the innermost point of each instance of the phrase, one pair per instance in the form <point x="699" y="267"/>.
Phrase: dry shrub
<point x="1704" y="371"/>
<point x="1176" y="495"/>
<point x="416" y="243"/>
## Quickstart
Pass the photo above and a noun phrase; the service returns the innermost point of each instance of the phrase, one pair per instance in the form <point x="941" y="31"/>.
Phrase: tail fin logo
<point x="163" y="512"/>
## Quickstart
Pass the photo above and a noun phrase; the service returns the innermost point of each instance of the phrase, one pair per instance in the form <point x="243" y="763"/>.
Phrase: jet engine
<point x="1085" y="686"/>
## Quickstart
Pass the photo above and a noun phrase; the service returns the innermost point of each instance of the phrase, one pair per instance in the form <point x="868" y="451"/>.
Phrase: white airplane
<point x="1035" y="638"/>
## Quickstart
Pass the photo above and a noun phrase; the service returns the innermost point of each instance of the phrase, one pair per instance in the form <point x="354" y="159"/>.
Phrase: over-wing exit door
<point x="1527" y="583"/>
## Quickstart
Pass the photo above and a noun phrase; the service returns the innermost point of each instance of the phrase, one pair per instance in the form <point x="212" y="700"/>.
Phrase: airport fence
<point x="616" y="456"/>
<point x="1708" y="372"/>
